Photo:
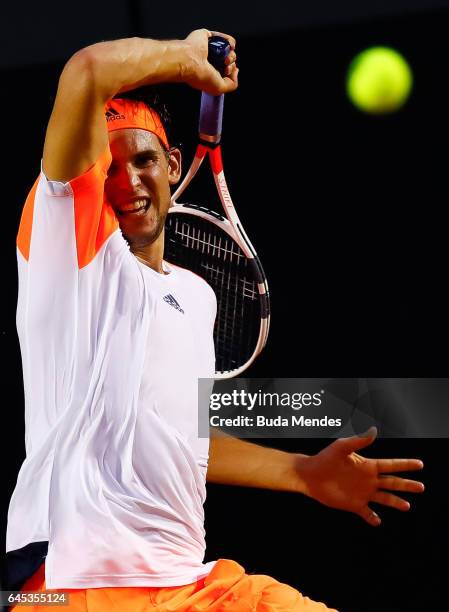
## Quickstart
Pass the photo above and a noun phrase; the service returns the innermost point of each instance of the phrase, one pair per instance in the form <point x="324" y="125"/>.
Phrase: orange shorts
<point x="227" y="587"/>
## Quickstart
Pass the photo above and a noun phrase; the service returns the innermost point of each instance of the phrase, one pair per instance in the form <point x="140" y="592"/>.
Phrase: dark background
<point x="347" y="213"/>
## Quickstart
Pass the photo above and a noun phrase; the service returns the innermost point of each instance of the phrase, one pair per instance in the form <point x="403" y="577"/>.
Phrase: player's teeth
<point x="138" y="205"/>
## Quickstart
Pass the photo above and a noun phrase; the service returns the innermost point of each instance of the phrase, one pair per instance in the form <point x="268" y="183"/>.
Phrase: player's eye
<point x="146" y="160"/>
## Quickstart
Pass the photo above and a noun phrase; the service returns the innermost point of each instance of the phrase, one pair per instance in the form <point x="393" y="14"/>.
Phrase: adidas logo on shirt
<point x="112" y="115"/>
<point x="171" y="300"/>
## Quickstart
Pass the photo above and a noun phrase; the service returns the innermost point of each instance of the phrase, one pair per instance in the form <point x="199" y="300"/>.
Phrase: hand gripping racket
<point x="217" y="248"/>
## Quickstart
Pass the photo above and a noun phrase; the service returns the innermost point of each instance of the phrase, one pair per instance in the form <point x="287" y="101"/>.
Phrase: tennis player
<point x="109" y="500"/>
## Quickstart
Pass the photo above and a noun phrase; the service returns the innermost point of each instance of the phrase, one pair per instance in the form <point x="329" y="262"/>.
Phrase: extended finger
<point x="370" y="516"/>
<point x="395" y="483"/>
<point x="398" y="465"/>
<point x="388" y="499"/>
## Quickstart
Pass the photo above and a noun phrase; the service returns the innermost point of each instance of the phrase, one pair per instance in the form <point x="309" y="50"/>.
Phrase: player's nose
<point x="133" y="176"/>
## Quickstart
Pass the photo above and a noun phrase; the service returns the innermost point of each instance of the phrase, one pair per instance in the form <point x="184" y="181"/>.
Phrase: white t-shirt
<point x="114" y="476"/>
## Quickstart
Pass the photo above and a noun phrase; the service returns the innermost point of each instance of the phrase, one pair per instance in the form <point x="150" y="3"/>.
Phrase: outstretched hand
<point x="340" y="478"/>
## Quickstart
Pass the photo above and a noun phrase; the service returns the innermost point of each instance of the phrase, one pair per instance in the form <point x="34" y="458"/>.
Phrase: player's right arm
<point x="77" y="133"/>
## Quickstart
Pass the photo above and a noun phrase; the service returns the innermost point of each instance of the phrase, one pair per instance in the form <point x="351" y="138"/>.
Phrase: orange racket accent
<point x="201" y="151"/>
<point x="216" y="160"/>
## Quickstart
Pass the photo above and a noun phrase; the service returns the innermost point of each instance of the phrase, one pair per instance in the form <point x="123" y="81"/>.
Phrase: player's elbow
<point x="99" y="67"/>
<point x="80" y="72"/>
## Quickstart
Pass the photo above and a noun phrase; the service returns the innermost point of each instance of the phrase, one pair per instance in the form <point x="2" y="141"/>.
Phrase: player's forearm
<point x="237" y="462"/>
<point x="120" y="65"/>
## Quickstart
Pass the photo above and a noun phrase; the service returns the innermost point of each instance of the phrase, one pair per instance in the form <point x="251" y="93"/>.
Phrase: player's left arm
<point x="237" y="462"/>
<point x="336" y="476"/>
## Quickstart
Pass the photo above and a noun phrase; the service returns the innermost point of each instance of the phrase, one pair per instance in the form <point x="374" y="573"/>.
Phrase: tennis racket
<point x="216" y="247"/>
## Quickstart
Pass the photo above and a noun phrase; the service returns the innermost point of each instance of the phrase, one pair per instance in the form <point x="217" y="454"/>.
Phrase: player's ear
<point x="174" y="159"/>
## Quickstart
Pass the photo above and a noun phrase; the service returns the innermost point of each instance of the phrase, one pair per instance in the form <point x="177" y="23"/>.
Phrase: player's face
<point x="138" y="183"/>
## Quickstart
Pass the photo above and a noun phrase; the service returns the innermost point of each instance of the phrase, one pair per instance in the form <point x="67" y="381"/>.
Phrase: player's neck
<point x="152" y="254"/>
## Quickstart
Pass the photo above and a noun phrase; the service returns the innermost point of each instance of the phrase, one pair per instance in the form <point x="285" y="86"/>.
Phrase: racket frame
<point x="232" y="226"/>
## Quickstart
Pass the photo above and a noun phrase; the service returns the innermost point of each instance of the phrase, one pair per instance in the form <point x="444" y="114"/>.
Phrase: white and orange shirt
<point x="115" y="472"/>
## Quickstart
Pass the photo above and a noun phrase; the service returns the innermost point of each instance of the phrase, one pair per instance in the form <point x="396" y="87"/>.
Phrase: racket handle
<point x="218" y="51"/>
<point x="211" y="111"/>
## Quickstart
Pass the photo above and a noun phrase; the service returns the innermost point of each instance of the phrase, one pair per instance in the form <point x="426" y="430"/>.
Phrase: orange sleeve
<point x="26" y="223"/>
<point x="94" y="218"/>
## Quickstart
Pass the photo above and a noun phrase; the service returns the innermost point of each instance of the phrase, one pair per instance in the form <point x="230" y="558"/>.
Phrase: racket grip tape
<point x="219" y="49"/>
<point x="211" y="111"/>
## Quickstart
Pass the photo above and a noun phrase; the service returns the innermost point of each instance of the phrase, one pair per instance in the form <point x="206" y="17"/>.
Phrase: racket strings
<point x="204" y="248"/>
<point x="207" y="242"/>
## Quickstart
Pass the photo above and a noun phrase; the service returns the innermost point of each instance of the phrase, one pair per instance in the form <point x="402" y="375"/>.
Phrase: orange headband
<point x="121" y="113"/>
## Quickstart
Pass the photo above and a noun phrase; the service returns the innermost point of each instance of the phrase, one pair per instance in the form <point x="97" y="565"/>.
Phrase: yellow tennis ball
<point x="379" y="80"/>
